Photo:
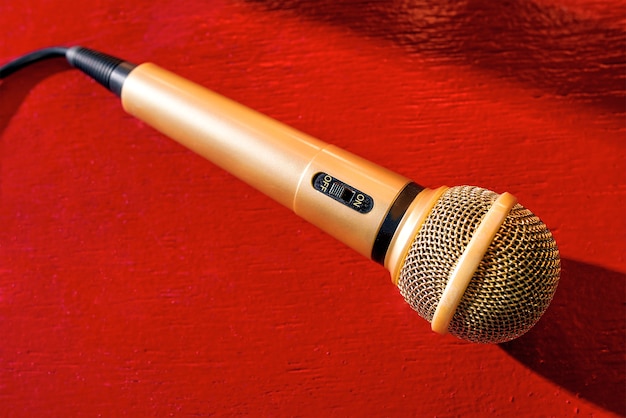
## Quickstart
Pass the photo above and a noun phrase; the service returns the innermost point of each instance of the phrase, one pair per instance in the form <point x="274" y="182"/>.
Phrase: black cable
<point x="31" y="58"/>
<point x="107" y="70"/>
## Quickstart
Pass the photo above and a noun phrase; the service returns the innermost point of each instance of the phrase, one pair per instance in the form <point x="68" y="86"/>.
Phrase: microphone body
<point x="343" y="194"/>
<point x="470" y="261"/>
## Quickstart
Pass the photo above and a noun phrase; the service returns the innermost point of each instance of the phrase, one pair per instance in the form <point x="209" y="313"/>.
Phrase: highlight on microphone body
<point x="470" y="261"/>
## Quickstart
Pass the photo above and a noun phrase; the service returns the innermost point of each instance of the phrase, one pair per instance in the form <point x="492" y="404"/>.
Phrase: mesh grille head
<point x="513" y="284"/>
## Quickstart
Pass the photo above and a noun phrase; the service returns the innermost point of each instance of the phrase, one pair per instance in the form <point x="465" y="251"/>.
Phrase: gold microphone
<point x="470" y="261"/>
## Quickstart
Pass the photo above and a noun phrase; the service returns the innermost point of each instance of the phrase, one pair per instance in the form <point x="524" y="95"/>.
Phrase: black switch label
<point x="342" y="192"/>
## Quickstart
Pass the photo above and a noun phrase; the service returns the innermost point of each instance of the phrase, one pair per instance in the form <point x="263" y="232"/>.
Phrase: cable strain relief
<point x="107" y="70"/>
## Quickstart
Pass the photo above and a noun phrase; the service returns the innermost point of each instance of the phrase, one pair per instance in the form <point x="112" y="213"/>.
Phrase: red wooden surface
<point x="137" y="279"/>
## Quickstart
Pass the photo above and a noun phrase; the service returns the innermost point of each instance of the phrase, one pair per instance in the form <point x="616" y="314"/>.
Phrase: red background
<point x="138" y="279"/>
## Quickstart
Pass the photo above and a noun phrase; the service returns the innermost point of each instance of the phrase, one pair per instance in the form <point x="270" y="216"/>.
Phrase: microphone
<point x="472" y="262"/>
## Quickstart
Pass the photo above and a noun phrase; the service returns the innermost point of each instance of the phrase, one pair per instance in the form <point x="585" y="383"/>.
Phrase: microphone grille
<point x="514" y="282"/>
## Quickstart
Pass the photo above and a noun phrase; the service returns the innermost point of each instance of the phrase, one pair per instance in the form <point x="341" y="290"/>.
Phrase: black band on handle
<point x="392" y="220"/>
<point x="105" y="69"/>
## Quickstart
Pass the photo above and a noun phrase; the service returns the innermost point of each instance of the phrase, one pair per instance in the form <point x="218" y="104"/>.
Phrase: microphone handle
<point x="352" y="199"/>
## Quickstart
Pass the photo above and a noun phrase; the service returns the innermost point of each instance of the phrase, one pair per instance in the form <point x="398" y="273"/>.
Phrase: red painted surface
<point x="137" y="279"/>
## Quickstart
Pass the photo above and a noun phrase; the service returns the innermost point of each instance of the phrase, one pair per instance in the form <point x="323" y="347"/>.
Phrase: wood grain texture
<point x="136" y="279"/>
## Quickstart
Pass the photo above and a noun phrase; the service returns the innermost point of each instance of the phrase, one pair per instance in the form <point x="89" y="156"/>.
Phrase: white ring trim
<point x="469" y="261"/>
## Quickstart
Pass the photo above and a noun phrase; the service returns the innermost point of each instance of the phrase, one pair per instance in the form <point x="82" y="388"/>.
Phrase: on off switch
<point x="342" y="192"/>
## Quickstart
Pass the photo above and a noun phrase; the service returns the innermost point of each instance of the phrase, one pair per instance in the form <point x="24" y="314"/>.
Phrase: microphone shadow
<point x="580" y="341"/>
<point x="15" y="88"/>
